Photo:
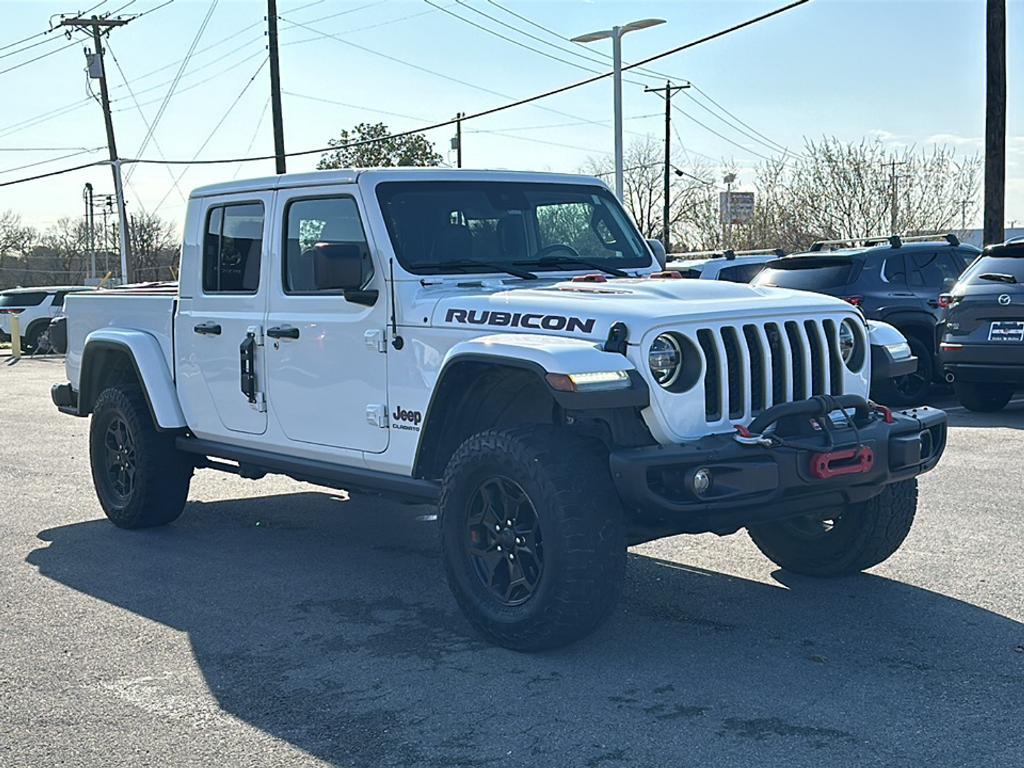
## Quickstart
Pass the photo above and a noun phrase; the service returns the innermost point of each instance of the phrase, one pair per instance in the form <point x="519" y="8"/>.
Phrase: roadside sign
<point x="736" y="207"/>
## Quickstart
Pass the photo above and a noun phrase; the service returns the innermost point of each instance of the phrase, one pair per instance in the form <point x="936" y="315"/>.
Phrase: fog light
<point x="701" y="481"/>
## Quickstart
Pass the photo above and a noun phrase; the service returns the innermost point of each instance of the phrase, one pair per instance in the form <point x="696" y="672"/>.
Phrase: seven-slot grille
<point x="754" y="366"/>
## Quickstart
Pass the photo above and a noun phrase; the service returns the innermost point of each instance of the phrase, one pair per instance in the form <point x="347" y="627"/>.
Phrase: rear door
<point x="930" y="273"/>
<point x="326" y="358"/>
<point x="220" y="325"/>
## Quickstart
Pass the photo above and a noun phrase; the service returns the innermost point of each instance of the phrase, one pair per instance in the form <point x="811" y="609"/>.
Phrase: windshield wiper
<point x="998" y="276"/>
<point x="551" y="261"/>
<point x="470" y="263"/>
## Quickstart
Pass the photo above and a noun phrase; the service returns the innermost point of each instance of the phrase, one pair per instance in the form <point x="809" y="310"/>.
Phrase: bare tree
<point x="15" y="242"/>
<point x="690" y="194"/>
<point x="155" y="248"/>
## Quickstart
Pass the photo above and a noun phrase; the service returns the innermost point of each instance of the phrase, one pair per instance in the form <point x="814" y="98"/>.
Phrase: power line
<point x="445" y="123"/>
<point x="212" y="133"/>
<point x="30" y="47"/>
<point x="606" y="57"/>
<point x="738" y="120"/>
<point x="586" y="57"/>
<point x="149" y="127"/>
<point x="515" y="42"/>
<point x="351" y="31"/>
<point x="39" y="57"/>
<point x="174" y="83"/>
<point x="85" y="151"/>
<point x="751" y="134"/>
<point x="25" y="39"/>
<point x="722" y="136"/>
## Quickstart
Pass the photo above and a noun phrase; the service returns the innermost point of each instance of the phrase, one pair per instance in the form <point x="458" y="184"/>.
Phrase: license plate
<point x="1006" y="330"/>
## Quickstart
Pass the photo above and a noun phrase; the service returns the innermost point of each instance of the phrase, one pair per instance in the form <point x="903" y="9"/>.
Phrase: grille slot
<point x="757" y="368"/>
<point x="835" y="360"/>
<point x="712" y="375"/>
<point x="779" y="366"/>
<point x="734" y="371"/>
<point x="814" y="344"/>
<point x="751" y="367"/>
<point x="799" y="364"/>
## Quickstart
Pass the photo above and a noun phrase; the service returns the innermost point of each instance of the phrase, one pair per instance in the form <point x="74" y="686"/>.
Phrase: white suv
<point x="35" y="308"/>
<point x="729" y="265"/>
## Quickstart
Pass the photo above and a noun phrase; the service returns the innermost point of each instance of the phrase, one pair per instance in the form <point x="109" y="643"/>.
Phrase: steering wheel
<point x="557" y="247"/>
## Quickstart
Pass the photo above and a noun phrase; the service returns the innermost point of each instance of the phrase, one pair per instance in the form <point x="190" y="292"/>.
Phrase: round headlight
<point x="665" y="359"/>
<point x="848" y="344"/>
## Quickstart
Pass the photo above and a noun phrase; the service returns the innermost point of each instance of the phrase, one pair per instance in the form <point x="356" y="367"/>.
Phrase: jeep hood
<point x="590" y="309"/>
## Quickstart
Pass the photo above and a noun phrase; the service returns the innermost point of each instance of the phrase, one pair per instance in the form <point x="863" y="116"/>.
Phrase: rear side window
<point x="995" y="265"/>
<point x="232" y="246"/>
<point x="11" y="300"/>
<point x="320" y="220"/>
<point x="821" y="276"/>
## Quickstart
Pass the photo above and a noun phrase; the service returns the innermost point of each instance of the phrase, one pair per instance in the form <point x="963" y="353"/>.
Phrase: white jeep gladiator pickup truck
<point x="507" y="346"/>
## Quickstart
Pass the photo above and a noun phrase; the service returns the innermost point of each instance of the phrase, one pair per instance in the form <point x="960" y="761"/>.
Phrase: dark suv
<point x="983" y="341"/>
<point x="897" y="280"/>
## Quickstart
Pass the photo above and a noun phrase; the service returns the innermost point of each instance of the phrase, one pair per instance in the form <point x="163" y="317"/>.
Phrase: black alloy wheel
<point x="120" y="458"/>
<point x="504" y="540"/>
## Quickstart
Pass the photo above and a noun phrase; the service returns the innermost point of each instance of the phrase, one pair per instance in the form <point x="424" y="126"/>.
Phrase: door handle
<point x="207" y="329"/>
<point x="283" y="332"/>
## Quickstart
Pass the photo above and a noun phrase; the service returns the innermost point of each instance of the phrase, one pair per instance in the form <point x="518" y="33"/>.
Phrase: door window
<point x="320" y="220"/>
<point x="936" y="271"/>
<point x="232" y="247"/>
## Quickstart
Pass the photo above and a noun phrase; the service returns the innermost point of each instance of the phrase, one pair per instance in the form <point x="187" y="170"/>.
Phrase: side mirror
<point x="337" y="266"/>
<point x="658" y="249"/>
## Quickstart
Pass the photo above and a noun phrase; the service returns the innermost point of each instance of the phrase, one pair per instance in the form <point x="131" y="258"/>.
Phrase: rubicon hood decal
<point x="530" y="320"/>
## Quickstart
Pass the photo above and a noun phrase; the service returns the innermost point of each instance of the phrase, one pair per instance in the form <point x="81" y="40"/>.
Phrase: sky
<point x="905" y="73"/>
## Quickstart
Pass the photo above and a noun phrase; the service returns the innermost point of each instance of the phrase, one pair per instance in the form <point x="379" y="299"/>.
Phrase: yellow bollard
<point x="15" y="337"/>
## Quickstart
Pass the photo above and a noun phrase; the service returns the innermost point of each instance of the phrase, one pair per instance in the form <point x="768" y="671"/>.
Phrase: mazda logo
<point x="1004" y="299"/>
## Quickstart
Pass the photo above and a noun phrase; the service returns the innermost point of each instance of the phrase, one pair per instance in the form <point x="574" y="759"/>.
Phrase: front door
<point x="220" y="319"/>
<point x="326" y="360"/>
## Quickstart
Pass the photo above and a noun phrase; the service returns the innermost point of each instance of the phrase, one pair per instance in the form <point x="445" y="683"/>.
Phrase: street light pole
<point x="616" y="33"/>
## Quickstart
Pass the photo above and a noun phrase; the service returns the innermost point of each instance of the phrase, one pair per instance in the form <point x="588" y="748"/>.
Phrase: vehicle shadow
<point x="326" y="623"/>
<point x="1011" y="417"/>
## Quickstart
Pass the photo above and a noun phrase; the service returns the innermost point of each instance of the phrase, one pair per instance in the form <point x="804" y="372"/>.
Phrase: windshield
<point x="483" y="226"/>
<point x="994" y="265"/>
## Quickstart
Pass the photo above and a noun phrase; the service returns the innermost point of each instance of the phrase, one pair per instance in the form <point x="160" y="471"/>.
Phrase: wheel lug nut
<point x="499" y="547"/>
<point x="511" y="557"/>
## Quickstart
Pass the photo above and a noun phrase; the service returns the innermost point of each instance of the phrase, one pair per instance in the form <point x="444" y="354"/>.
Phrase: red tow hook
<point x="849" y="461"/>
<point x="886" y="412"/>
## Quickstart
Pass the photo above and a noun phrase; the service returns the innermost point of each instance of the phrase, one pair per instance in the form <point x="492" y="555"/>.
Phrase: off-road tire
<point x="567" y="481"/>
<point x="862" y="536"/>
<point x="889" y="392"/>
<point x="161" y="475"/>
<point x="984" y="398"/>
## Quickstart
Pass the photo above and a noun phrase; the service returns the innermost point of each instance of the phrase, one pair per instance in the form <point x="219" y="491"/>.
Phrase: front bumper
<point x="754" y="483"/>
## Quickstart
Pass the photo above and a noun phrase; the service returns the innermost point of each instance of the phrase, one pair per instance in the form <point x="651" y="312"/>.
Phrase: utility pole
<point x="995" y="121"/>
<point x="666" y="215"/>
<point x="457" y="141"/>
<point x="727" y="224"/>
<point x="275" y="86"/>
<point x="894" y="206"/>
<point x="90" y="226"/>
<point x="98" y="71"/>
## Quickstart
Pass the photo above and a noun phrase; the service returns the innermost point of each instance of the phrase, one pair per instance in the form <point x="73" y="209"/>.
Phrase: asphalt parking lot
<point x="279" y="624"/>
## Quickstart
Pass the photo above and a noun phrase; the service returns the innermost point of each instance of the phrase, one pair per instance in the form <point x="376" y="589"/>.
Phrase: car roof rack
<point x="728" y="254"/>
<point x="895" y="241"/>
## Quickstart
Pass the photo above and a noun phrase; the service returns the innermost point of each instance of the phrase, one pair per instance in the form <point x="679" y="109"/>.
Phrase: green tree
<point x="382" y="150"/>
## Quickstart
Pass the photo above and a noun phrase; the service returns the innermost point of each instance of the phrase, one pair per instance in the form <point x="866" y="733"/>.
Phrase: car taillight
<point x="855" y="300"/>
<point x="11" y="311"/>
<point x="945" y="301"/>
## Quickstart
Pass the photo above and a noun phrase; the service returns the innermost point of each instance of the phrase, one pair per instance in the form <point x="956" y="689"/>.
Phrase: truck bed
<point x="143" y="308"/>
